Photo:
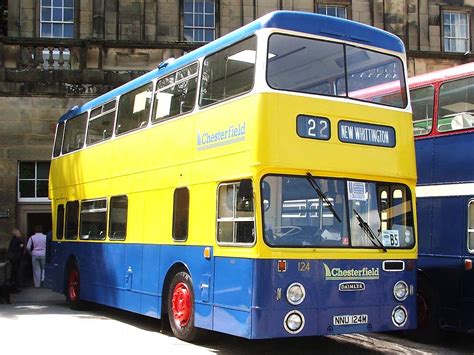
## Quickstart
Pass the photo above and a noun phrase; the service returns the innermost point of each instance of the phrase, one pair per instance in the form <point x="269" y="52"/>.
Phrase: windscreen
<point x="321" y="67"/>
<point x="303" y="211"/>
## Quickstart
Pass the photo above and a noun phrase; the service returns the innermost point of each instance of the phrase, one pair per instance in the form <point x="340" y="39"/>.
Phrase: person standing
<point x="15" y="253"/>
<point x="37" y="247"/>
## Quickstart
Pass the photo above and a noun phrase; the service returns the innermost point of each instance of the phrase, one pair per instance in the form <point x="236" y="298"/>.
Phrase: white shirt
<point x="39" y="244"/>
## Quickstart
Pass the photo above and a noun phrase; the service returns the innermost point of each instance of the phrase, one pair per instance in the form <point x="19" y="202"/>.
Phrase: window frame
<point x="200" y="86"/>
<point x="58" y="139"/>
<point x="335" y="6"/>
<point x="470" y="228"/>
<point x="403" y="89"/>
<point x="61" y="23"/>
<point x="234" y="219"/>
<point x="438" y="105"/>
<point x="66" y="235"/>
<point x="194" y="27"/>
<point x="109" y="216"/>
<point x="151" y="85"/>
<point x="84" y="132"/>
<point x="153" y="108"/>
<point x="36" y="180"/>
<point x="433" y="118"/>
<point x="82" y="211"/>
<point x="464" y="11"/>
<point x="176" y="214"/>
<point x="60" y="222"/>
<point x="104" y="111"/>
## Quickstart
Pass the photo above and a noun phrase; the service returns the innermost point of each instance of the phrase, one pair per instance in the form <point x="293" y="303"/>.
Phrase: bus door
<point x="53" y="250"/>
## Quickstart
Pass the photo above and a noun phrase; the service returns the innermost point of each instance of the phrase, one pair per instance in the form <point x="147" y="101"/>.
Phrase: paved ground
<point x="39" y="322"/>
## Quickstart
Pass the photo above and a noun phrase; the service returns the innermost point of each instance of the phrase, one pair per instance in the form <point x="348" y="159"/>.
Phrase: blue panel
<point x="203" y="315"/>
<point x="449" y="227"/>
<point x="151" y="269"/>
<point x="133" y="277"/>
<point x="452" y="162"/>
<point x="424" y="214"/>
<point x="424" y="160"/>
<point x="235" y="291"/>
<point x="232" y="321"/>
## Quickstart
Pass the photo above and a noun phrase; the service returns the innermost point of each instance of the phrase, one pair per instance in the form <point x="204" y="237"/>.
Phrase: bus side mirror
<point x="245" y="189"/>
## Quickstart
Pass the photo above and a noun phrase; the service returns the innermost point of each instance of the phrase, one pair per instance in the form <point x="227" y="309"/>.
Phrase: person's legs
<point x="36" y="270"/>
<point x="15" y="274"/>
<point x="42" y="260"/>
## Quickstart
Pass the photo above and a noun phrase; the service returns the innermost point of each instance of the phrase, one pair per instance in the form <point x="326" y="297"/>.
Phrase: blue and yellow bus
<point x="443" y="120"/>
<point x="246" y="187"/>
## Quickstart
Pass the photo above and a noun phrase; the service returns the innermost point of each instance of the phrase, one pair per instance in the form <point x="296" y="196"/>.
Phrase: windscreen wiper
<point x="369" y="232"/>
<point x="322" y="196"/>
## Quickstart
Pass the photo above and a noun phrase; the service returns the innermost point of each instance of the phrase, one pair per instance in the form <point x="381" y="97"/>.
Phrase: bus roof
<point x="311" y="23"/>
<point x="441" y="75"/>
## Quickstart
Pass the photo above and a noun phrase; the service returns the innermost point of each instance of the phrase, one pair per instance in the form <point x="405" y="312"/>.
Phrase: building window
<point x="199" y="20"/>
<point x="57" y="19"/>
<point x="235" y="216"/>
<point x="455" y="31"/>
<point x="333" y="10"/>
<point x="33" y="181"/>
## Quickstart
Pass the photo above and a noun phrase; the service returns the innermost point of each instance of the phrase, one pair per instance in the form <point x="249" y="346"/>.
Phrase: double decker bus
<point x="244" y="188"/>
<point x="443" y="121"/>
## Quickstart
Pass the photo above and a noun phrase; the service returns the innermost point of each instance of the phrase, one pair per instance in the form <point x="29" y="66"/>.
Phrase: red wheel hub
<point x="181" y="302"/>
<point x="73" y="285"/>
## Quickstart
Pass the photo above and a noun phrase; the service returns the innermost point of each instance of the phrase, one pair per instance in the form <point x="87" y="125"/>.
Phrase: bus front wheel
<point x="73" y="288"/>
<point x="181" y="307"/>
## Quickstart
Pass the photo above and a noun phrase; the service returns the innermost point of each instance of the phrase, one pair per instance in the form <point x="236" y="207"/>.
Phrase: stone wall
<point x="27" y="134"/>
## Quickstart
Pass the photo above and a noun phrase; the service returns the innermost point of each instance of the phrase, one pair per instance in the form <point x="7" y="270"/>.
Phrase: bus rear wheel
<point x="73" y="288"/>
<point x="181" y="307"/>
<point x="428" y="311"/>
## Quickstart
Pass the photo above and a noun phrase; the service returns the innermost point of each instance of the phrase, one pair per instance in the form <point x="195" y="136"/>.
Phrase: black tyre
<point x="181" y="308"/>
<point x="427" y="311"/>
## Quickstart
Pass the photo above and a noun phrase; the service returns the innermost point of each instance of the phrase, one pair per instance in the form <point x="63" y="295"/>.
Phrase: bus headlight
<point x="400" y="291"/>
<point x="294" y="322"/>
<point x="295" y="293"/>
<point x="399" y="316"/>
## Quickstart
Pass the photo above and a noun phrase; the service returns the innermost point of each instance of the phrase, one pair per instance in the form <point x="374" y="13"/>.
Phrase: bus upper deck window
<point x="74" y="133"/>
<point x="455" y="109"/>
<point x="134" y="109"/>
<point x="422" y="103"/>
<point x="229" y="72"/>
<point x="175" y="94"/>
<point x="58" y="140"/>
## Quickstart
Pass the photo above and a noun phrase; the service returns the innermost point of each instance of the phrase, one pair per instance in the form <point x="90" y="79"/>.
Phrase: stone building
<point x="55" y="54"/>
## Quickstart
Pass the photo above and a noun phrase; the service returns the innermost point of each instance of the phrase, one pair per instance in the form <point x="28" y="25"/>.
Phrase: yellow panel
<point x="245" y="137"/>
